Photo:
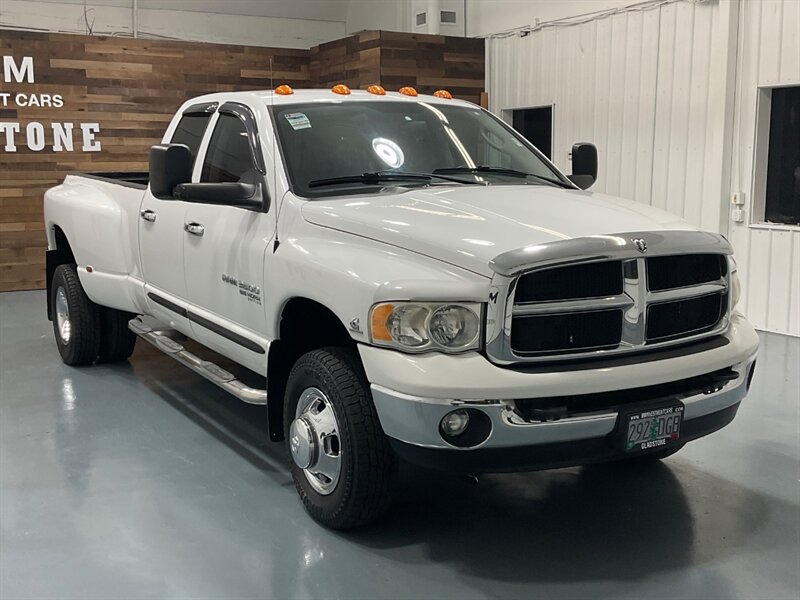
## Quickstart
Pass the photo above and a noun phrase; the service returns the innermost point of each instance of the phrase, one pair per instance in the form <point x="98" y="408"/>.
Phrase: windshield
<point x="355" y="147"/>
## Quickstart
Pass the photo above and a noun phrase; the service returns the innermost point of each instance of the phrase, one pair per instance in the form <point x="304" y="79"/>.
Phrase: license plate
<point x="652" y="428"/>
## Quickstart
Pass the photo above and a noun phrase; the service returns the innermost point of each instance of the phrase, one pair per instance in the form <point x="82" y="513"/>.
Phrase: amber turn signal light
<point x="408" y="91"/>
<point x="341" y="88"/>
<point x="443" y="94"/>
<point x="377" y="90"/>
<point x="284" y="90"/>
<point x="380" y="314"/>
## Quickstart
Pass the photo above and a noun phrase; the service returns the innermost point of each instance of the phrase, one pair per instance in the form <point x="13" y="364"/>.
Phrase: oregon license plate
<point x="652" y="428"/>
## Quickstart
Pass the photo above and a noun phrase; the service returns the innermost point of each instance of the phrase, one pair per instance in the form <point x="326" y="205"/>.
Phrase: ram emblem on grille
<point x="640" y="245"/>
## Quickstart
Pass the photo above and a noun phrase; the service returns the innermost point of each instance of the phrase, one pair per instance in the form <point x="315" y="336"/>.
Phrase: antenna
<point x="274" y="150"/>
<point x="271" y="73"/>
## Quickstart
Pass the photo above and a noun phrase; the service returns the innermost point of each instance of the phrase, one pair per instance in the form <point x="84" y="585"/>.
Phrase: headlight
<point x="736" y="286"/>
<point x="453" y="326"/>
<point x="420" y="326"/>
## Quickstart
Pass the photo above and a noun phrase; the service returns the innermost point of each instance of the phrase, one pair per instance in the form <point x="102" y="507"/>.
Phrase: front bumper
<point x="553" y="455"/>
<point x="433" y="385"/>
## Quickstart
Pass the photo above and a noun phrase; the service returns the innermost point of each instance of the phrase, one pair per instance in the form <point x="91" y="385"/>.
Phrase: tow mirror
<point x="246" y="195"/>
<point x="584" y="165"/>
<point x="170" y="165"/>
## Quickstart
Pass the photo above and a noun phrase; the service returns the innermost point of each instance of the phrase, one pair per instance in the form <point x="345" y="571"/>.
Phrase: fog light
<point x="455" y="423"/>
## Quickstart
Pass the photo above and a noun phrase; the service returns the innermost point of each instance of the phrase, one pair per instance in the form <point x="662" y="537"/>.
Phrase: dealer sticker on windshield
<point x="298" y="121"/>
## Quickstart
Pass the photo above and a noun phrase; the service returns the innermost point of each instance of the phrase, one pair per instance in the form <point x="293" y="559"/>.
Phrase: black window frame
<point x="245" y="115"/>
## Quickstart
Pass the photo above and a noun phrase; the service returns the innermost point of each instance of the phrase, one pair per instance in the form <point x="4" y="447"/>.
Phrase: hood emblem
<point x="640" y="245"/>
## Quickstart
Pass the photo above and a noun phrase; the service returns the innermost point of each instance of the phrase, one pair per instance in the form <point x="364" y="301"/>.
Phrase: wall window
<point x="782" y="199"/>
<point x="228" y="158"/>
<point x="536" y="124"/>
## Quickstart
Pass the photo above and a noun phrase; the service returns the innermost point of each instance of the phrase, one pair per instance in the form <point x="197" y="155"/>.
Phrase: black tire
<point x="655" y="456"/>
<point x="81" y="345"/>
<point x="368" y="465"/>
<point x="116" y="340"/>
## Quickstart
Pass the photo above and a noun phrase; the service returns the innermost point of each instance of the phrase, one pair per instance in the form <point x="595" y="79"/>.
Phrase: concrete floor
<point x="142" y="480"/>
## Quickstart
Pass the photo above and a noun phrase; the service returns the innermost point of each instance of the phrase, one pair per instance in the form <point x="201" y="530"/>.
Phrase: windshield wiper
<point x="480" y="169"/>
<point x="381" y="176"/>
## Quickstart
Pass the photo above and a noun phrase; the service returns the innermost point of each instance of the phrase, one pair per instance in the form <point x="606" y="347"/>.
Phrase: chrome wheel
<point x="314" y="440"/>
<point x="62" y="316"/>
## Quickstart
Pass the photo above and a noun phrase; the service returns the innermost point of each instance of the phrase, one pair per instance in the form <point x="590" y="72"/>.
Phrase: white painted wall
<point x="389" y="15"/>
<point x="485" y="17"/>
<point x="297" y="24"/>
<point x="282" y="23"/>
<point x="432" y="9"/>
<point x="638" y="86"/>
<point x="660" y="93"/>
<point x="768" y="255"/>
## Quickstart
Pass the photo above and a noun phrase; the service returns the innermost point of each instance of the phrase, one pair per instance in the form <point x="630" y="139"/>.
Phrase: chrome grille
<point x="619" y="300"/>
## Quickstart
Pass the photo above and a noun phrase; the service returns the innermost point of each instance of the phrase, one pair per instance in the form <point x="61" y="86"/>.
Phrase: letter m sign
<point x="21" y="73"/>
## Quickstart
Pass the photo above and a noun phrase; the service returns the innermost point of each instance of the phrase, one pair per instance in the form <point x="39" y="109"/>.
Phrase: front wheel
<point x="342" y="465"/>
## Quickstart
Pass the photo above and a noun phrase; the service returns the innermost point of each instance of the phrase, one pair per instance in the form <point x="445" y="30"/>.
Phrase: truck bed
<point x="133" y="179"/>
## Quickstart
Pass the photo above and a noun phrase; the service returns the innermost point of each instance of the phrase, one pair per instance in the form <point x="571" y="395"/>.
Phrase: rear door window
<point x="190" y="131"/>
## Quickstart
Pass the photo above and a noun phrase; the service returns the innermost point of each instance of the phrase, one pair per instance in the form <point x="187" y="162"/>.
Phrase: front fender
<point x="348" y="274"/>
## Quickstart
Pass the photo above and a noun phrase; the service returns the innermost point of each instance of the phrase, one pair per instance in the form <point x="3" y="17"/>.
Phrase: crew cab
<point x="412" y="279"/>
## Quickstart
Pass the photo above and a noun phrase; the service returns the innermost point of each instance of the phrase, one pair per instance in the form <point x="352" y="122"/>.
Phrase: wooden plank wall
<point x="131" y="87"/>
<point x="354" y="61"/>
<point x="432" y="62"/>
<point x="395" y="59"/>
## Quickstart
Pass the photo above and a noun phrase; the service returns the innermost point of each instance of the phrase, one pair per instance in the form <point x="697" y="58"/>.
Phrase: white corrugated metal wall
<point x="768" y="255"/>
<point x="655" y="90"/>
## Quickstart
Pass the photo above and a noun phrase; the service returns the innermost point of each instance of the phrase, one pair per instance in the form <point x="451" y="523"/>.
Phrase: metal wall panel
<point x="769" y="256"/>
<point x="672" y="112"/>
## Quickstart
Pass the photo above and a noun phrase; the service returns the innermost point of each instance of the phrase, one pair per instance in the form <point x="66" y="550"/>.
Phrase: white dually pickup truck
<point x="412" y="279"/>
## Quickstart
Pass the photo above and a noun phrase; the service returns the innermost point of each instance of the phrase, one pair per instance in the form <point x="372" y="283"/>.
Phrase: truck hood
<point x="468" y="226"/>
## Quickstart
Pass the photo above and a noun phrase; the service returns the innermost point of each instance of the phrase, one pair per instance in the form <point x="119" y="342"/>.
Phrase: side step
<point x="214" y="373"/>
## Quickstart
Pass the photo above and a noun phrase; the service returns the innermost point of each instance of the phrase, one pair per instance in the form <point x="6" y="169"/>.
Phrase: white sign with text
<point x="33" y="134"/>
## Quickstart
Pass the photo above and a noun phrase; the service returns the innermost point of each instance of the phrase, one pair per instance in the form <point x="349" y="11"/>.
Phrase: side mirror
<point x="170" y="165"/>
<point x="584" y="165"/>
<point x="246" y="195"/>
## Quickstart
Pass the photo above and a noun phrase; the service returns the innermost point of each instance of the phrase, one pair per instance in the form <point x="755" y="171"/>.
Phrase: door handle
<point x="194" y="228"/>
<point x="148" y="215"/>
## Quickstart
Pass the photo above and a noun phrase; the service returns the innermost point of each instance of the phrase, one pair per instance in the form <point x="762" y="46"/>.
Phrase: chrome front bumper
<point x="414" y="420"/>
<point x="434" y="384"/>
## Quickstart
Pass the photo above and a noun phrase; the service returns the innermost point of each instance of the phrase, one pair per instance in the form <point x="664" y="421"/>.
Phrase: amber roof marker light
<point x="443" y="94"/>
<point x="377" y="90"/>
<point x="284" y="90"/>
<point x="408" y="91"/>
<point x="341" y="88"/>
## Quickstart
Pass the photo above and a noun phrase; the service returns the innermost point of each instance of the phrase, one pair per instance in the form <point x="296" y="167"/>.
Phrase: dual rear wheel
<point x="85" y="332"/>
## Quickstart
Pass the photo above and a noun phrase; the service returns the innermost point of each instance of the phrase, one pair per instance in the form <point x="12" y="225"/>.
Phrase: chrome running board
<point x="214" y="373"/>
